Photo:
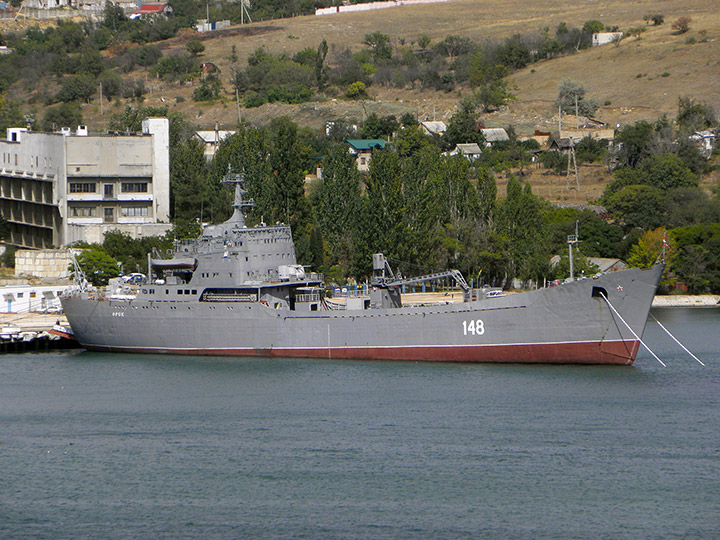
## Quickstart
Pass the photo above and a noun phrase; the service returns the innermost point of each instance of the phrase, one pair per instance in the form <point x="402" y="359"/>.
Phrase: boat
<point x="239" y="291"/>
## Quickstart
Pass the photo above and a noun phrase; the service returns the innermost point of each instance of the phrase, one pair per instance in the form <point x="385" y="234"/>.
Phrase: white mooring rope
<point x="677" y="341"/>
<point x="631" y="330"/>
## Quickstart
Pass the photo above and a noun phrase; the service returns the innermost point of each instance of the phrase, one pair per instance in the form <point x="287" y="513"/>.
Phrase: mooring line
<point x="677" y="341"/>
<point x="631" y="330"/>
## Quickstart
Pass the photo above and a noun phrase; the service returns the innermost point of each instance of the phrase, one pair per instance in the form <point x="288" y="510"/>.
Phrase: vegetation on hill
<point x="431" y="210"/>
<point x="416" y="204"/>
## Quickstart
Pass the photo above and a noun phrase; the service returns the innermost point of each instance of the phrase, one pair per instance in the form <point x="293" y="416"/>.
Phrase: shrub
<point x="289" y="93"/>
<point x="133" y="89"/>
<point x="681" y="25"/>
<point x="253" y="99"/>
<point x="636" y="31"/>
<point x="176" y="68"/>
<point x="208" y="90"/>
<point x="356" y="90"/>
<point x="656" y="19"/>
<point x="554" y="160"/>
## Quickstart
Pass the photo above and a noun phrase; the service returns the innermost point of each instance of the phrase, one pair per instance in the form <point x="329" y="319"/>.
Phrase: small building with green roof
<point x="362" y="149"/>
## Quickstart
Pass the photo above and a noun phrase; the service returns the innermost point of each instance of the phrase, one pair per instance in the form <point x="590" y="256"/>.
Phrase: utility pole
<point x="572" y="239"/>
<point x="237" y="100"/>
<point x="572" y="165"/>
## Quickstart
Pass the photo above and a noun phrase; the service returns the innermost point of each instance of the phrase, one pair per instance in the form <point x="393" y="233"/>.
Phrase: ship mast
<point x="239" y="180"/>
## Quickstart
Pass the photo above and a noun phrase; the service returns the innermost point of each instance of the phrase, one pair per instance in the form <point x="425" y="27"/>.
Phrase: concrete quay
<point x="687" y="300"/>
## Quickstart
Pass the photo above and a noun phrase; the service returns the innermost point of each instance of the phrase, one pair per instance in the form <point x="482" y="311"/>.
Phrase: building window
<point x="83" y="211"/>
<point x="109" y="215"/>
<point x="129" y="211"/>
<point x="108" y="190"/>
<point x="134" y="187"/>
<point x="77" y="187"/>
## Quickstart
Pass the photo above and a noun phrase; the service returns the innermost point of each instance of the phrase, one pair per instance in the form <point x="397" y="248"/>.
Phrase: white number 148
<point x="475" y="328"/>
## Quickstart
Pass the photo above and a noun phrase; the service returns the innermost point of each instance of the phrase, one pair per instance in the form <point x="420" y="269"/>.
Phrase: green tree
<point x="519" y="219"/>
<point x="130" y="119"/>
<point x="491" y="96"/>
<point x="462" y="127"/>
<point x="379" y="44"/>
<point x="114" y="17"/>
<point x="112" y="84"/>
<point x="10" y="114"/>
<point x="649" y="249"/>
<point x="666" y="171"/>
<point x="321" y="76"/>
<point x="286" y="189"/>
<point x="694" y="115"/>
<point x="208" y="90"/>
<point x="410" y="140"/>
<point x="356" y="90"/>
<point x="188" y="173"/>
<point x="593" y="26"/>
<point x="63" y="115"/>
<point x="98" y="266"/>
<point x="375" y="127"/>
<point x="634" y="141"/>
<point x="638" y="206"/>
<point x="194" y="47"/>
<point x="77" y="88"/>
<point x="570" y="93"/>
<point x="487" y="194"/>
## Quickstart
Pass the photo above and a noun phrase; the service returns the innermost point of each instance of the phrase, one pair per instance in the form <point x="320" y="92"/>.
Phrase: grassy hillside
<point x="641" y="78"/>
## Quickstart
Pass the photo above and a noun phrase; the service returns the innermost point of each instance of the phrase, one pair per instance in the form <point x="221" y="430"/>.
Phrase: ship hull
<point x="570" y="323"/>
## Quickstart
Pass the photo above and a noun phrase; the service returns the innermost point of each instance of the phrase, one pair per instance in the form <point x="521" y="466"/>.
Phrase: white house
<point x="212" y="139"/>
<point x="469" y="151"/>
<point x="603" y="38"/>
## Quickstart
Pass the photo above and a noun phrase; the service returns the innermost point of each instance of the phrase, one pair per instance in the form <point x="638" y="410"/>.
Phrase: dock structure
<point x="32" y="331"/>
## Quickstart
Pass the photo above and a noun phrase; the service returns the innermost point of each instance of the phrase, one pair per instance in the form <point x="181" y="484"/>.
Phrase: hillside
<point x="640" y="78"/>
<point x="628" y="76"/>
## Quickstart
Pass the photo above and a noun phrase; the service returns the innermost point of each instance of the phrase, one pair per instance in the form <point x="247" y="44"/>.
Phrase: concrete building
<point x="60" y="188"/>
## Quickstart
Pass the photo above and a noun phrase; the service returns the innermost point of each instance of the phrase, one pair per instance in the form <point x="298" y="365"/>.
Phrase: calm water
<point x="122" y="446"/>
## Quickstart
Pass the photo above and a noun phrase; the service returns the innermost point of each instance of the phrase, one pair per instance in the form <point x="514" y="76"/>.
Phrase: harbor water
<point x="139" y="446"/>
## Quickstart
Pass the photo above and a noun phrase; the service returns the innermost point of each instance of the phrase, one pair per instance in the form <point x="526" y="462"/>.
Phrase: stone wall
<point x="43" y="263"/>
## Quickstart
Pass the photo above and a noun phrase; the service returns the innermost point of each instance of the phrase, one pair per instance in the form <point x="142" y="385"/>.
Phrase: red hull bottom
<point x="604" y="352"/>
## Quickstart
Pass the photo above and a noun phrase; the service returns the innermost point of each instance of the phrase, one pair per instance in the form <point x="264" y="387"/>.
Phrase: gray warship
<point x="239" y="291"/>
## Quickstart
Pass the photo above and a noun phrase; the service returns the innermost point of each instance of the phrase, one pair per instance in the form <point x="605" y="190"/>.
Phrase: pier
<point x="31" y="331"/>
